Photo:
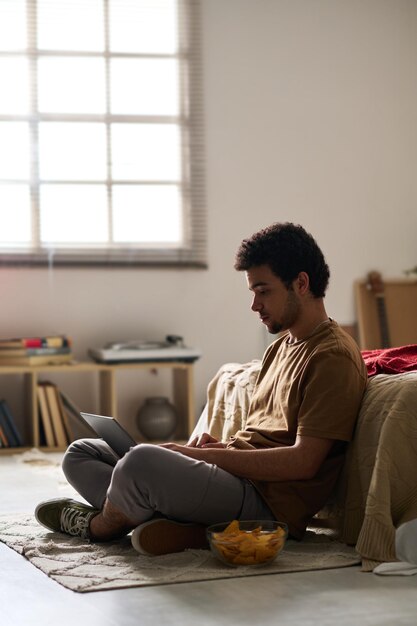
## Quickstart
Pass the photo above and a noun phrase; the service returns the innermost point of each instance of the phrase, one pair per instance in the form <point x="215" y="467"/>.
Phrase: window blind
<point x="101" y="132"/>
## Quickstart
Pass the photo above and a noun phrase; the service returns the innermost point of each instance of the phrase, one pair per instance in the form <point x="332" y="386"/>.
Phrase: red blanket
<point x="391" y="360"/>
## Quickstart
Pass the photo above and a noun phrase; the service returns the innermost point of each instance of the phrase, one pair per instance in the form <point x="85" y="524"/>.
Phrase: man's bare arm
<point x="298" y="462"/>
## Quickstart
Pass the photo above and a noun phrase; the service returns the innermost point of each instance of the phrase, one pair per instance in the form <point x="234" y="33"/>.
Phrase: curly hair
<point x="288" y="249"/>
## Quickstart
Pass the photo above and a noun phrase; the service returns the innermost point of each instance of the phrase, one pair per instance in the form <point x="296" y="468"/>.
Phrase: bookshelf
<point x="183" y="391"/>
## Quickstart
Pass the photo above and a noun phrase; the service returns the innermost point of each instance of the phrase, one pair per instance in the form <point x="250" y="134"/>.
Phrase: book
<point x="65" y="419"/>
<point x="6" y="352"/>
<point x="45" y="416"/>
<point x="52" y="341"/>
<point x="3" y="439"/>
<point x="41" y="430"/>
<point x="7" y="430"/>
<point x="55" y="414"/>
<point x="4" y="407"/>
<point x="52" y="359"/>
<point x="4" y="442"/>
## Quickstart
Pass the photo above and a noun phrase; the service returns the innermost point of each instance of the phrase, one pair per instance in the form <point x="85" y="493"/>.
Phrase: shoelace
<point x="75" y="522"/>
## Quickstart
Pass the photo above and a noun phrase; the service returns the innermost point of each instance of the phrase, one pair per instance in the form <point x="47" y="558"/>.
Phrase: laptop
<point x="111" y="431"/>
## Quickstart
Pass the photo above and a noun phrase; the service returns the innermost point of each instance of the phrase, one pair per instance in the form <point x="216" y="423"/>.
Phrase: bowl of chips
<point x="247" y="542"/>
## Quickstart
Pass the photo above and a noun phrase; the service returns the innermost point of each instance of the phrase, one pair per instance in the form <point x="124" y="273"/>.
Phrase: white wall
<point x="310" y="117"/>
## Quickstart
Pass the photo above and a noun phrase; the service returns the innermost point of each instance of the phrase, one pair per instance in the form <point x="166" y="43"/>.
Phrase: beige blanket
<point x="378" y="488"/>
<point x="228" y="399"/>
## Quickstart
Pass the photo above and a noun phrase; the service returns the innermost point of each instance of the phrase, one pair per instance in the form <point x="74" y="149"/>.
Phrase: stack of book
<point x="52" y="350"/>
<point x="9" y="433"/>
<point x="59" y="419"/>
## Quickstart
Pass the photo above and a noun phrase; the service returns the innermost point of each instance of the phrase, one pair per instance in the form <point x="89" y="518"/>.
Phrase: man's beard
<point x="275" y="329"/>
<point x="289" y="316"/>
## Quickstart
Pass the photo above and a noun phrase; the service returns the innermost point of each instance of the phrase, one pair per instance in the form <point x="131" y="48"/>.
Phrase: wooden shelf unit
<point x="183" y="391"/>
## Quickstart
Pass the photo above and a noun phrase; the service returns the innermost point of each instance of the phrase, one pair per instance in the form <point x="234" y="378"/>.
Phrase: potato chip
<point x="233" y="527"/>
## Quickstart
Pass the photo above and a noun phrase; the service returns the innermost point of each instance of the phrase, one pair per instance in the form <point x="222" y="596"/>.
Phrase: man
<point x="282" y="466"/>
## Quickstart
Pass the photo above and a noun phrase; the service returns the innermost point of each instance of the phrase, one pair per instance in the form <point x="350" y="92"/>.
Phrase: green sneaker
<point x="64" y="515"/>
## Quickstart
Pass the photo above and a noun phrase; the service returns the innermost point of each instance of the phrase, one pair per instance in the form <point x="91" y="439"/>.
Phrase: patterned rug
<point x="83" y="567"/>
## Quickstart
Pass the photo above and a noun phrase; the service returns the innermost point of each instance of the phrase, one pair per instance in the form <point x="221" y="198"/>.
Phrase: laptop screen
<point x="111" y="431"/>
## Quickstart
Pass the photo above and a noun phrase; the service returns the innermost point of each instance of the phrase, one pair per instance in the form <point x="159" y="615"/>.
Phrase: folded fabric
<point x="391" y="360"/>
<point x="395" y="569"/>
<point x="406" y="552"/>
<point x="406" y="542"/>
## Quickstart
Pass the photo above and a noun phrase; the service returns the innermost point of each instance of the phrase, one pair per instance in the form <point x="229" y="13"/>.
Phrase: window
<point x="101" y="135"/>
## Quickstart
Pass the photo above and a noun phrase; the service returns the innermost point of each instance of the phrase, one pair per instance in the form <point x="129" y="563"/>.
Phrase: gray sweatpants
<point x="151" y="480"/>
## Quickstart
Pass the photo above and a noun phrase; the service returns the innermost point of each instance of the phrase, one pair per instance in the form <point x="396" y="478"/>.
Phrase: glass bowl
<point x="254" y="542"/>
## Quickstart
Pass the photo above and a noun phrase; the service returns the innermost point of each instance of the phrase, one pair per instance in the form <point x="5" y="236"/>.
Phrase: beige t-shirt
<point x="312" y="387"/>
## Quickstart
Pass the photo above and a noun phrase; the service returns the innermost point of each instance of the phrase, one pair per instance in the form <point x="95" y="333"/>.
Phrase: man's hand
<point x="205" y="441"/>
<point x="193" y="452"/>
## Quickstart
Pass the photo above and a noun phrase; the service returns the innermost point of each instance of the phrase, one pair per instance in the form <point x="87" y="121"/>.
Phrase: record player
<point x="137" y="351"/>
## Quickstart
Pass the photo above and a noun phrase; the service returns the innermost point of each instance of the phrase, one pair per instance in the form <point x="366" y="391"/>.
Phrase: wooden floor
<point x="329" y="598"/>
